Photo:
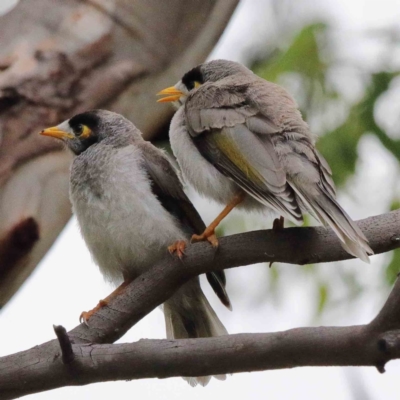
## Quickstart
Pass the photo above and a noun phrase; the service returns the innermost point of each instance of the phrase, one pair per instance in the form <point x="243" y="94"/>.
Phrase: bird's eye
<point x="78" y="129"/>
<point x="82" y="131"/>
<point x="192" y="85"/>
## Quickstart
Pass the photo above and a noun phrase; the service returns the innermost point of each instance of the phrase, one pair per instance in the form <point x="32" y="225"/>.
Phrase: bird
<point x="130" y="205"/>
<point x="241" y="141"/>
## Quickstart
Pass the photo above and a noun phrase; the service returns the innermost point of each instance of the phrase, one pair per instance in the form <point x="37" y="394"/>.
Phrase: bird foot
<point x="178" y="247"/>
<point x="209" y="236"/>
<point x="86" y="315"/>
<point x="278" y="224"/>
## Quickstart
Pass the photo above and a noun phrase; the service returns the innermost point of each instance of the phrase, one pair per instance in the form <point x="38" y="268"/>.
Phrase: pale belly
<point x="200" y="174"/>
<point x="126" y="229"/>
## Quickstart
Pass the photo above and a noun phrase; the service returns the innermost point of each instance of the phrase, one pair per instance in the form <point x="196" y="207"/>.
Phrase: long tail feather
<point x="328" y="211"/>
<point x="188" y="314"/>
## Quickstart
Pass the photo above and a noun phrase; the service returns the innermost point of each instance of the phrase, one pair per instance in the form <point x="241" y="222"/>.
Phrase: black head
<point x="212" y="71"/>
<point x="193" y="78"/>
<point x="85" y="128"/>
<point x="91" y="127"/>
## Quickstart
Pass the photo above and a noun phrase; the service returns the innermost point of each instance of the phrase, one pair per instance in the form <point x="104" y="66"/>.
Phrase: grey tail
<point x="328" y="211"/>
<point x="188" y="314"/>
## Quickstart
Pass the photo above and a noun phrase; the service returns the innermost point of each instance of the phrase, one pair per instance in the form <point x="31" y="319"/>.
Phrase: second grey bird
<point x="130" y="206"/>
<point x="241" y="140"/>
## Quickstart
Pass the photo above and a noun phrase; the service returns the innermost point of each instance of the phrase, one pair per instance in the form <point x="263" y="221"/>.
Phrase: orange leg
<point x="209" y="233"/>
<point x="179" y="247"/>
<point x="84" y="317"/>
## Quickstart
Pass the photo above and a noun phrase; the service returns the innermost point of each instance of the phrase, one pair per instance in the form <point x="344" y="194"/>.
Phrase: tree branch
<point x="374" y="344"/>
<point x="65" y="344"/>
<point x="361" y="345"/>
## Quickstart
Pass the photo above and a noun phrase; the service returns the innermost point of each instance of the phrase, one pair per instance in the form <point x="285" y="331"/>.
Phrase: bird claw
<point x="178" y="247"/>
<point x="86" y="315"/>
<point x="211" y="238"/>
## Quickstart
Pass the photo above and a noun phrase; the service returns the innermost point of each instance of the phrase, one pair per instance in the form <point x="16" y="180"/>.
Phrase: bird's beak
<point x="56" y="132"/>
<point x="172" y="93"/>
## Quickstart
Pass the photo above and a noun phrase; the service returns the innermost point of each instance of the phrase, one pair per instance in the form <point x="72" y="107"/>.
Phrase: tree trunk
<point x="57" y="60"/>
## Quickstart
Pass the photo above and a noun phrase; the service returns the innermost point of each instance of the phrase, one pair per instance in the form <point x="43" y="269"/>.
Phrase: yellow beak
<point x="57" y="133"/>
<point x="172" y="93"/>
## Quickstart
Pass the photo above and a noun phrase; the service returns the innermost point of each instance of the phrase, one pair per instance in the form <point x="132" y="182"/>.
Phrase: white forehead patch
<point x="64" y="126"/>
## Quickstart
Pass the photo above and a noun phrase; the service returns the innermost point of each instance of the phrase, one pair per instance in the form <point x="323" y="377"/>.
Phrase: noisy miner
<point x="130" y="206"/>
<point x="241" y="140"/>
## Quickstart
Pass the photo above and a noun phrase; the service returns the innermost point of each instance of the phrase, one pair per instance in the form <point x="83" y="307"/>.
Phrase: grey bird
<point x="241" y="141"/>
<point x="130" y="207"/>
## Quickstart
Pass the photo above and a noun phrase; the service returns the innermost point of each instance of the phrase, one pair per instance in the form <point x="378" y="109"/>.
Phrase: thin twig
<point x="65" y="344"/>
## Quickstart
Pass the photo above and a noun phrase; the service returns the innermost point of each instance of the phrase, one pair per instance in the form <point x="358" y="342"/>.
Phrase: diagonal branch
<point x="361" y="345"/>
<point x="291" y="245"/>
<point x="372" y="344"/>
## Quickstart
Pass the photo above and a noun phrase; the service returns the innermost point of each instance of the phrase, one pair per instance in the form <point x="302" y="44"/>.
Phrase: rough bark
<point x="43" y="368"/>
<point x="59" y="58"/>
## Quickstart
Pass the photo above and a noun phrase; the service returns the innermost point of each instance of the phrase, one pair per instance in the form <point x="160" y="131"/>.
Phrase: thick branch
<point x="292" y="245"/>
<point x="373" y="344"/>
<point x="361" y="345"/>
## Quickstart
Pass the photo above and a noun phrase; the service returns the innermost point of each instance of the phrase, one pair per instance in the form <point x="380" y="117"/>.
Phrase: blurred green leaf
<point x="339" y="147"/>
<point x="379" y="85"/>
<point x="393" y="268"/>
<point x="395" y="204"/>
<point x="322" y="298"/>
<point x="302" y="57"/>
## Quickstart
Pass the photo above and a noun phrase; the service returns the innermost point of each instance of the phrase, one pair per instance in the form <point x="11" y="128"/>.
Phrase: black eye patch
<point x="191" y="77"/>
<point x="89" y="119"/>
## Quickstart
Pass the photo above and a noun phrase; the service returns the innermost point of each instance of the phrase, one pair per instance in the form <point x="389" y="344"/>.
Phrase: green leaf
<point x="302" y="57"/>
<point x="339" y="147"/>
<point x="322" y="298"/>
<point x="395" y="204"/>
<point x="379" y="85"/>
<point x="393" y="268"/>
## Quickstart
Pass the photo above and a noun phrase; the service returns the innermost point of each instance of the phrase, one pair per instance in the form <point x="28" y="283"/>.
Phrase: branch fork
<point x="92" y="358"/>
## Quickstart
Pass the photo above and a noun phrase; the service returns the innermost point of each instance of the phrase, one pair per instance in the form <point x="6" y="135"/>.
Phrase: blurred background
<point x="340" y="59"/>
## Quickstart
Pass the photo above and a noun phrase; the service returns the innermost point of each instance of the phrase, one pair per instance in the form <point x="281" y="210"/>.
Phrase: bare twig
<point x="65" y="344"/>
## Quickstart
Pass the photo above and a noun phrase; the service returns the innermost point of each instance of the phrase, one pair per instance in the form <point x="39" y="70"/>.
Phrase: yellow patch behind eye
<point x="86" y="132"/>
<point x="197" y="84"/>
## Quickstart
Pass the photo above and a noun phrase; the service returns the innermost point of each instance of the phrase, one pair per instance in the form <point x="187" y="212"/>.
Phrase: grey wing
<point x="167" y="186"/>
<point x="264" y="107"/>
<point x="310" y="177"/>
<point x="226" y="104"/>
<point x="236" y="139"/>
<point x="326" y="174"/>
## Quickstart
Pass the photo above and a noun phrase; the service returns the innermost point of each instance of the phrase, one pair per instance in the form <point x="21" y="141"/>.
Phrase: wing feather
<point x="253" y="165"/>
<point x="168" y="188"/>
